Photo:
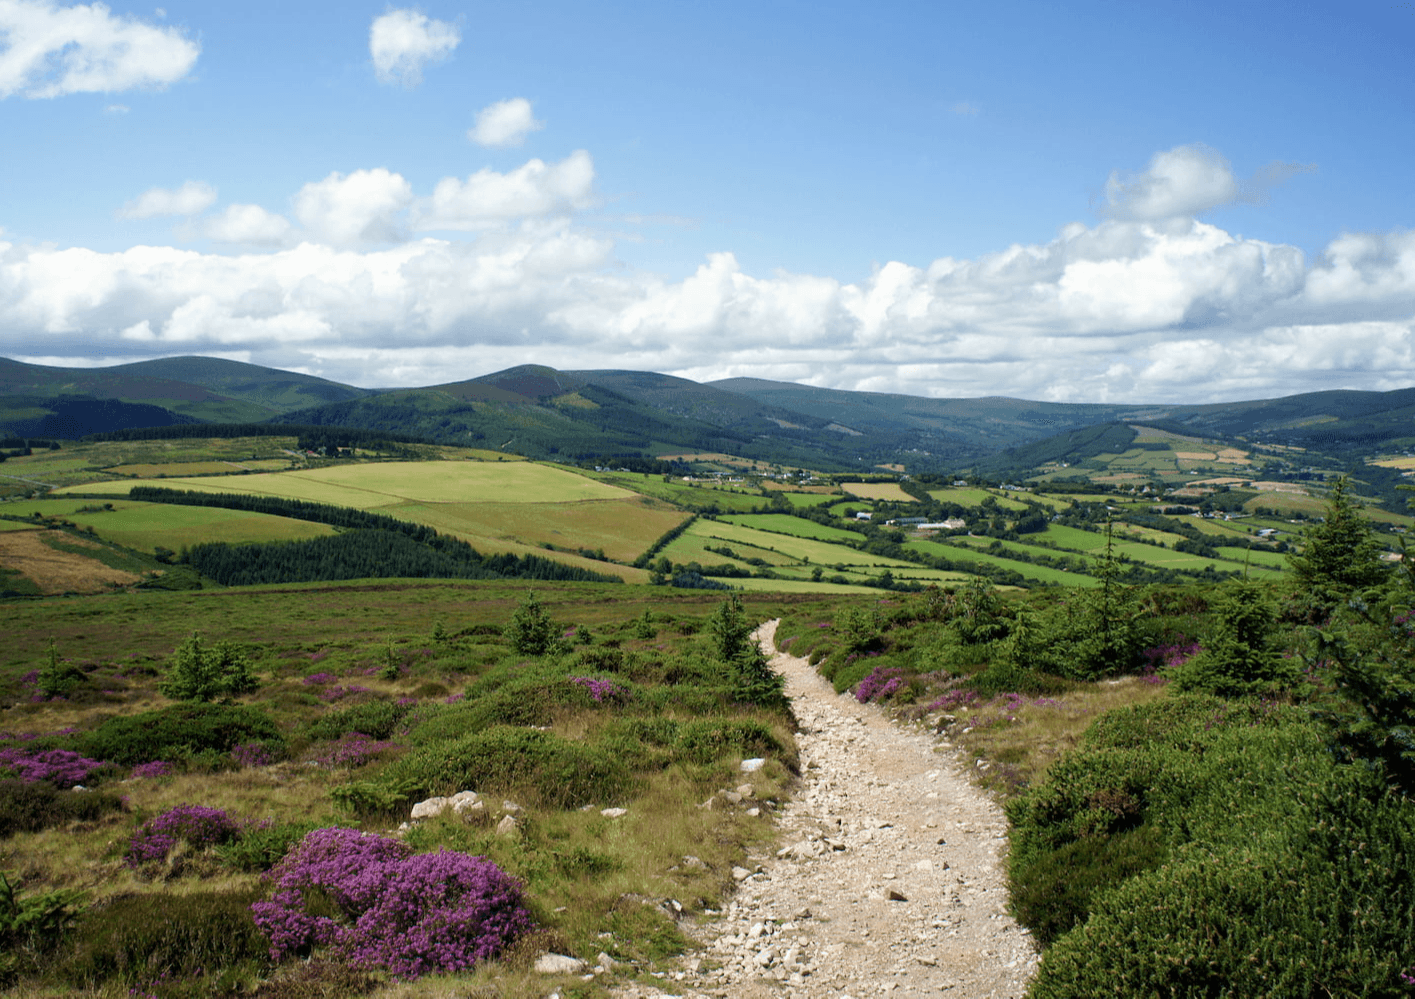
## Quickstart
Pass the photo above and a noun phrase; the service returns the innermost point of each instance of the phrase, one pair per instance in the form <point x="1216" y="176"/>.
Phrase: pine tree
<point x="196" y="673"/>
<point x="531" y="631"/>
<point x="1340" y="553"/>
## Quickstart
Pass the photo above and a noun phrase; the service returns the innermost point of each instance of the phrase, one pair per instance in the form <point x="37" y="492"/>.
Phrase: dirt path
<point x="888" y="880"/>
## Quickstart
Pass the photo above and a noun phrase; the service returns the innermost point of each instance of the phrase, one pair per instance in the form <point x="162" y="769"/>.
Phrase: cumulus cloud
<point x="363" y="207"/>
<point x="191" y="198"/>
<point x="51" y="50"/>
<point x="248" y="224"/>
<point x="404" y="42"/>
<point x="1187" y="181"/>
<point x="1127" y="309"/>
<point x="505" y="123"/>
<point x="487" y="197"/>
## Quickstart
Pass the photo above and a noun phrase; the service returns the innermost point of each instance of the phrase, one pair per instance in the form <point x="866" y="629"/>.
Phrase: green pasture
<point x="795" y="586"/>
<point x="692" y="546"/>
<point x="1271" y="560"/>
<point x="1041" y="573"/>
<point x="839" y="509"/>
<point x="799" y="549"/>
<point x="1086" y="541"/>
<point x="148" y="526"/>
<point x="16" y="525"/>
<point x="1083" y="562"/>
<point x="798" y="527"/>
<point x="680" y="493"/>
<point x="974" y="496"/>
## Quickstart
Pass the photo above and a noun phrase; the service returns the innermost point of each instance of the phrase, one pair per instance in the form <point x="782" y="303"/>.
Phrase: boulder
<point x="508" y="826"/>
<point x="559" y="964"/>
<point x="430" y="808"/>
<point x="614" y="813"/>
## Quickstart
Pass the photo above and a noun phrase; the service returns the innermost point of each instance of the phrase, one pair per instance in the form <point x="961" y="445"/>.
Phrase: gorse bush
<point x="371" y="903"/>
<point x="182" y="728"/>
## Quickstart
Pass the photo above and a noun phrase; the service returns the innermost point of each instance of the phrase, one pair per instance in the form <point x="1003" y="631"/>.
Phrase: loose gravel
<point x="887" y="879"/>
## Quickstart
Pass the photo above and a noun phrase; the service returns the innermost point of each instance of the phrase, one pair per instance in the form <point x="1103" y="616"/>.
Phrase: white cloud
<point x="1127" y="309"/>
<point x="966" y="108"/>
<point x="404" y="42"/>
<point x="191" y="198"/>
<point x="363" y="207"/>
<point x="51" y="50"/>
<point x="486" y="197"/>
<point x="1183" y="181"/>
<point x="248" y="224"/>
<point x="505" y="123"/>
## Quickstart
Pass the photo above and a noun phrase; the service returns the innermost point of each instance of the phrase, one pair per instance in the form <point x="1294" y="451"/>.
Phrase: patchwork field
<point x="55" y="562"/>
<point x="878" y="491"/>
<point x="780" y="523"/>
<point x="1041" y="573"/>
<point x="973" y="496"/>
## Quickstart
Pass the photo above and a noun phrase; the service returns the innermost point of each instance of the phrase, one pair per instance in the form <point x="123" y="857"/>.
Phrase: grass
<point x="798" y="527"/>
<point x="878" y="491"/>
<point x="798" y="549"/>
<point x="147" y="526"/>
<point x="1075" y="539"/>
<point x="1041" y="573"/>
<point x="179" y="468"/>
<point x="973" y="496"/>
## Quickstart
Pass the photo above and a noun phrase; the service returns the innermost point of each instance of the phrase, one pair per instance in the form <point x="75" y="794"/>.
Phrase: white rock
<point x="614" y="813"/>
<point x="753" y="765"/>
<point x="559" y="964"/>
<point x="429" y="808"/>
<point x="508" y="826"/>
<point x="740" y="874"/>
<point x="462" y="796"/>
<point x="471" y="811"/>
<point x="511" y="808"/>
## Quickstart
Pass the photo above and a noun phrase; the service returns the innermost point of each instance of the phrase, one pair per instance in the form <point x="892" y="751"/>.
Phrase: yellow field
<point x="878" y="491"/>
<point x="1405" y="462"/>
<point x="179" y="468"/>
<point x="368" y="487"/>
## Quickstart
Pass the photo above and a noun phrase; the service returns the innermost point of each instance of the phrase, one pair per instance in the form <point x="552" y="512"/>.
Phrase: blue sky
<point x="1097" y="202"/>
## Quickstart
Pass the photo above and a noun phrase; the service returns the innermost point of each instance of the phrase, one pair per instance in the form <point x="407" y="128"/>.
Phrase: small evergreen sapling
<point x="57" y="676"/>
<point x="531" y="631"/>
<point x="196" y="673"/>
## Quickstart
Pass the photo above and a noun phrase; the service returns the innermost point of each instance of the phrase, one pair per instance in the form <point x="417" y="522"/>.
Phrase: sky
<point x="1092" y="202"/>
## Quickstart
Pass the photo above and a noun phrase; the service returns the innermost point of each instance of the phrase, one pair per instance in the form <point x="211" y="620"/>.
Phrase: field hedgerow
<point x="412" y="915"/>
<point x="195" y="825"/>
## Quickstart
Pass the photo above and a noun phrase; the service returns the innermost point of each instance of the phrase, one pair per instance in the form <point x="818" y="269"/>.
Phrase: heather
<point x="409" y="914"/>
<point x="221" y="798"/>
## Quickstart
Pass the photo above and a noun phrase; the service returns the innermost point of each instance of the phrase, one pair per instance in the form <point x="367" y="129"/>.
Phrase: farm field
<point x="180" y="468"/>
<point x="805" y="500"/>
<point x="622" y="528"/>
<point x="974" y="496"/>
<point x="1026" y="570"/>
<point x="1273" y="560"/>
<point x="799" y="549"/>
<point x="1165" y="558"/>
<point x="878" y="491"/>
<point x="147" y="526"/>
<point x="780" y="523"/>
<point x="682" y="493"/>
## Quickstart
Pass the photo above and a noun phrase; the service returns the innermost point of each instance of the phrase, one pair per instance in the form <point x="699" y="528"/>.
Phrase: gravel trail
<point x="888" y="878"/>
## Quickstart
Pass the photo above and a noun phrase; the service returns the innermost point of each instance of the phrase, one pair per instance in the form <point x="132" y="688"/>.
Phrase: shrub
<point x="182" y="728"/>
<point x="196" y="825"/>
<point x="30" y="807"/>
<point x="141" y="938"/>
<point x="531" y="631"/>
<point x="705" y="740"/>
<point x="1238" y="658"/>
<point x="57" y="676"/>
<point x="561" y="773"/>
<point x="880" y="685"/>
<point x="31" y="923"/>
<point x="60" y="767"/>
<point x="261" y="845"/>
<point x="195" y="673"/>
<point x="412" y="915"/>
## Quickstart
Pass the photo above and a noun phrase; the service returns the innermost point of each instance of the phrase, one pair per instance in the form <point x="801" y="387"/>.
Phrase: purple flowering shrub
<point x="413" y="915"/>
<point x="353" y="749"/>
<point x="156" y="768"/>
<point x="1167" y="656"/>
<point x="253" y="754"/>
<point x="881" y="684"/>
<point x="319" y="679"/>
<point x="195" y="825"/>
<point x="959" y="697"/>
<point x="339" y="692"/>
<point x="60" y="767"/>
<point x="601" y="690"/>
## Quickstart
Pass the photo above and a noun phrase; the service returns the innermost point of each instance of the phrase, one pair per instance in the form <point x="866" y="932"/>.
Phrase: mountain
<point x="546" y="413"/>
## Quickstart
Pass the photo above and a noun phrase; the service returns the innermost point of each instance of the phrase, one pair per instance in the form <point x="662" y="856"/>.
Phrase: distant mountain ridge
<point x="547" y="413"/>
